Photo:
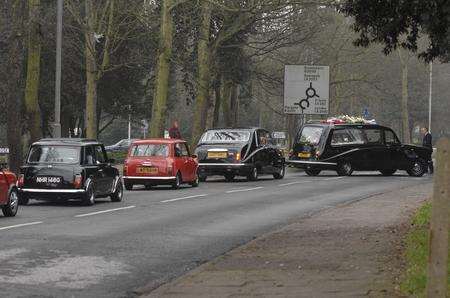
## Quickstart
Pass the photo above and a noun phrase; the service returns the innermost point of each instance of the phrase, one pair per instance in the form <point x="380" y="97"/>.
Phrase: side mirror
<point x="194" y="156"/>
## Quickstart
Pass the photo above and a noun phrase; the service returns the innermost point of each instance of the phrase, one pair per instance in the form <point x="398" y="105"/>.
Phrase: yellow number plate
<point x="304" y="155"/>
<point x="217" y="154"/>
<point x="147" y="170"/>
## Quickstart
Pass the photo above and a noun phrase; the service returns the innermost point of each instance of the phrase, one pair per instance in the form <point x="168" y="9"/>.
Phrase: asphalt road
<point x="112" y="249"/>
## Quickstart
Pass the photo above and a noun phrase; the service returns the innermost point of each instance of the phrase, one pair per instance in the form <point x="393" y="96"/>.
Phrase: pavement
<point x="132" y="247"/>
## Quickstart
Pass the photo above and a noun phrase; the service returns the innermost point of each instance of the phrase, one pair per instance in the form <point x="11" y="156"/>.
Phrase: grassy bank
<point x="416" y="254"/>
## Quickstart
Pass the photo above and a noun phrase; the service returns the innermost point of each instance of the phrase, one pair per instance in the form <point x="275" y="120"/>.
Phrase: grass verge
<point x="416" y="254"/>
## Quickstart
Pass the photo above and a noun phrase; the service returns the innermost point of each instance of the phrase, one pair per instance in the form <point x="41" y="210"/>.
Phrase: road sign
<point x="4" y="150"/>
<point x="306" y="89"/>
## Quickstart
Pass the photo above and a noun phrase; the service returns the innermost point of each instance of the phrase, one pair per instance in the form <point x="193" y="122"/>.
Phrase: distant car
<point x="62" y="169"/>
<point x="231" y="152"/>
<point x="355" y="147"/>
<point x="9" y="199"/>
<point x="160" y="162"/>
<point x="121" y="146"/>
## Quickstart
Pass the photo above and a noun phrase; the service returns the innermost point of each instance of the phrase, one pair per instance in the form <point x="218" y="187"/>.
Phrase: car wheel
<point x="418" y="170"/>
<point x="344" y="169"/>
<point x="176" y="184"/>
<point x="388" y="172"/>
<point x="23" y="199"/>
<point x="117" y="196"/>
<point x="253" y="175"/>
<point x="196" y="182"/>
<point x="128" y="185"/>
<point x="13" y="204"/>
<point x="312" y="172"/>
<point x="280" y="174"/>
<point x="89" y="196"/>
<point x="202" y="178"/>
<point x="229" y="177"/>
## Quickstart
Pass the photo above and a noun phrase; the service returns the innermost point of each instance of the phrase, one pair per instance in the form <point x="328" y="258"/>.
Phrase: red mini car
<point x="9" y="199"/>
<point x="160" y="162"/>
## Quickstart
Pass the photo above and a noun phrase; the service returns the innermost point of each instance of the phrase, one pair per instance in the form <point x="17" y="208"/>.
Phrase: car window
<point x="373" y="136"/>
<point x="348" y="136"/>
<point x="150" y="150"/>
<point x="89" y="155"/>
<point x="390" y="137"/>
<point x="310" y="135"/>
<point x="99" y="155"/>
<point x="263" y="137"/>
<point x="225" y="136"/>
<point x="181" y="150"/>
<point x="54" y="154"/>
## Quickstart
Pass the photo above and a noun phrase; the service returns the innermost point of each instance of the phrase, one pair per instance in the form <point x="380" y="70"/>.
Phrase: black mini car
<point x="62" y="169"/>
<point x="239" y="152"/>
<point x="355" y="147"/>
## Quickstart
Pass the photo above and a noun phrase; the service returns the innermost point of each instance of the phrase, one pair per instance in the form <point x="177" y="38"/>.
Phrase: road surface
<point x="112" y="249"/>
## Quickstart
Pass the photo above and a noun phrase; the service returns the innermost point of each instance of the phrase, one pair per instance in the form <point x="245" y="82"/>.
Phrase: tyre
<point x="419" y="169"/>
<point x="196" y="182"/>
<point x="253" y="174"/>
<point x="344" y="168"/>
<point x="229" y="177"/>
<point x="202" y="178"/>
<point x="117" y="196"/>
<point x="89" y="196"/>
<point x="176" y="184"/>
<point x="312" y="172"/>
<point x="388" y="172"/>
<point x="11" y="208"/>
<point x="23" y="199"/>
<point x="128" y="185"/>
<point x="280" y="174"/>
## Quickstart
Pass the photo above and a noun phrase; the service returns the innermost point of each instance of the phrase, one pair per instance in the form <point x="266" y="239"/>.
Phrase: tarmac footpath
<point x="352" y="250"/>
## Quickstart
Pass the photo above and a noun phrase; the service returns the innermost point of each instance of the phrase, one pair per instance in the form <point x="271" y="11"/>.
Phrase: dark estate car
<point x="239" y="152"/>
<point x="360" y="147"/>
<point x="69" y="169"/>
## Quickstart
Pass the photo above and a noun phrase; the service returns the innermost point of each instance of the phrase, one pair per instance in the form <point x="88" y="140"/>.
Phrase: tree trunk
<point x="234" y="105"/>
<point x="204" y="80"/>
<point x="226" y="94"/>
<point x="406" y="132"/>
<point x="91" y="73"/>
<point x="33" y="72"/>
<point x="218" y="102"/>
<point x="14" y="84"/>
<point x="159" y="107"/>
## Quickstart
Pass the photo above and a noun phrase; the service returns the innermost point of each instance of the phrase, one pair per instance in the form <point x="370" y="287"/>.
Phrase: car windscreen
<point x="310" y="135"/>
<point x="54" y="154"/>
<point x="225" y="136"/>
<point x="161" y="150"/>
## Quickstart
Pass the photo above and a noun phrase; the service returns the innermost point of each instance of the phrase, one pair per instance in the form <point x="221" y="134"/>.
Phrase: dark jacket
<point x="427" y="141"/>
<point x="174" y="133"/>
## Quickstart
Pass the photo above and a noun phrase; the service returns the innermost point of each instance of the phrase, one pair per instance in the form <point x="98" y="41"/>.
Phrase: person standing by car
<point x="428" y="143"/>
<point x="174" y="131"/>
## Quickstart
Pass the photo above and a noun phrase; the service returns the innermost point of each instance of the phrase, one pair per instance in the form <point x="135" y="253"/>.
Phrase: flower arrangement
<point x="346" y="119"/>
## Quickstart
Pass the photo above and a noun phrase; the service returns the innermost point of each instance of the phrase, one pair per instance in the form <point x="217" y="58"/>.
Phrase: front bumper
<point x="312" y="164"/>
<point x="209" y="169"/>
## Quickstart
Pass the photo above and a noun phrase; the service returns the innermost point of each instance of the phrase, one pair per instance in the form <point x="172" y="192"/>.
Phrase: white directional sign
<point x="306" y="89"/>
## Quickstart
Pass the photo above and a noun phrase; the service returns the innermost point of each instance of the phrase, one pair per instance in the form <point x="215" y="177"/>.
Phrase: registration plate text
<point x="217" y="154"/>
<point x="48" y="180"/>
<point x="147" y="170"/>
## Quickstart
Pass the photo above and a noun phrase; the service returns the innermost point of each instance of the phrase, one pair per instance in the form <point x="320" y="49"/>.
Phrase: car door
<point x="3" y="188"/>
<point x="262" y="157"/>
<point x="91" y="167"/>
<point x="191" y="163"/>
<point x="377" y="152"/>
<point x="104" y="179"/>
<point x="396" y="158"/>
<point x="186" y="164"/>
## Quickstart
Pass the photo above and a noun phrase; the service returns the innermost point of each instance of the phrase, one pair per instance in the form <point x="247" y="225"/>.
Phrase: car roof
<point x="159" y="141"/>
<point x="339" y="125"/>
<point x="67" y="141"/>
<point x="235" y="128"/>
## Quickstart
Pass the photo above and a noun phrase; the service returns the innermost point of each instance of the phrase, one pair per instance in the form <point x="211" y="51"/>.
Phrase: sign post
<point x="306" y="89"/>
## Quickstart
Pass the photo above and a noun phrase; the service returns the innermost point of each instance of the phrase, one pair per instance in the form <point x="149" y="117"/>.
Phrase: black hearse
<point x="231" y="152"/>
<point x="62" y="169"/>
<point x="355" y="147"/>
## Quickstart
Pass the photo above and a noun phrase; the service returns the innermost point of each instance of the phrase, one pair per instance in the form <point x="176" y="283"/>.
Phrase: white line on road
<point x="334" y="178"/>
<point x="21" y="225"/>
<point x="184" y="198"/>
<point x="245" y="189"/>
<point x="104" y="211"/>
<point x="295" y="182"/>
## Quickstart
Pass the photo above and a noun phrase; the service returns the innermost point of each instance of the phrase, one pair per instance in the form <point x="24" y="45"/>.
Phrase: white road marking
<point x="184" y="198"/>
<point x="295" y="182"/>
<point x="334" y="178"/>
<point x="105" y="211"/>
<point x="245" y="189"/>
<point x="21" y="225"/>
